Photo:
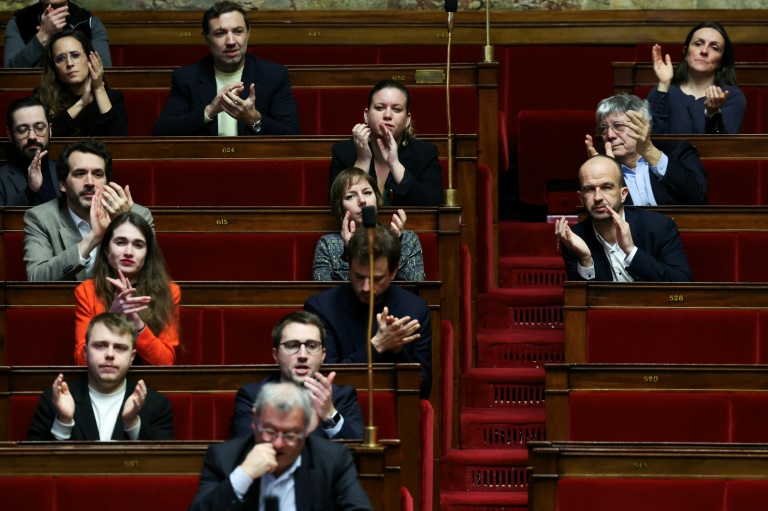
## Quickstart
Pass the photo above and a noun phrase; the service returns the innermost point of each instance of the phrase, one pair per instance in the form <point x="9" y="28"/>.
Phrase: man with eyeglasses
<point x="29" y="178"/>
<point x="279" y="459"/>
<point x="229" y="92"/>
<point x="616" y="243"/>
<point x="656" y="173"/>
<point x="298" y="347"/>
<point x="28" y="31"/>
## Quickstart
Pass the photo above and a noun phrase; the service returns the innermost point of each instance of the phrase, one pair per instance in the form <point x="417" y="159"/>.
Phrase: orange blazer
<point x="153" y="349"/>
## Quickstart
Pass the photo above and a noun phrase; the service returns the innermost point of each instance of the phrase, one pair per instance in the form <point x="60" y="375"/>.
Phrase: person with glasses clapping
<point x="29" y="178"/>
<point x="656" y="173"/>
<point x="279" y="458"/>
<point x="74" y="91"/>
<point x="298" y="347"/>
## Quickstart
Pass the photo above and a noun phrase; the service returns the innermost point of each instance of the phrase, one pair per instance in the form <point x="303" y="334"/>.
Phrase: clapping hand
<point x="125" y="303"/>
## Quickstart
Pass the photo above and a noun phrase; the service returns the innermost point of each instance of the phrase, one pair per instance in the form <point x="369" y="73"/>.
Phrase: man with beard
<point x="298" y="347"/>
<point x="617" y="243"/>
<point x="106" y="406"/>
<point x="254" y="96"/>
<point x="29" y="178"/>
<point x="402" y="329"/>
<point x="61" y="236"/>
<point x="658" y="173"/>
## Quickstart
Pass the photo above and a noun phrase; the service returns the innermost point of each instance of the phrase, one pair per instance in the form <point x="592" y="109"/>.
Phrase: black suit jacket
<point x="326" y="479"/>
<point x="346" y="323"/>
<point x="344" y="400"/>
<point x="156" y="416"/>
<point x="660" y="254"/>
<point x="685" y="181"/>
<point x="422" y="184"/>
<point x="193" y="87"/>
<point x="14" y="190"/>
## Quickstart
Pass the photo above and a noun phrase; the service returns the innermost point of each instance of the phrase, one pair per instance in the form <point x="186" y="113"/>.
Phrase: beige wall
<point x="304" y="5"/>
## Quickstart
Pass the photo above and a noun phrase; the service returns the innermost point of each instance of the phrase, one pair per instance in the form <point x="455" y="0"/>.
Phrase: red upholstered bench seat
<point x="636" y="416"/>
<point x="262" y="256"/>
<point x="726" y="256"/>
<point x="96" y="493"/>
<point x="677" y="336"/>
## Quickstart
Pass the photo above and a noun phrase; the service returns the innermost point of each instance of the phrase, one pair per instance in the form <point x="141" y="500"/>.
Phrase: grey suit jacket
<point x="13" y="183"/>
<point x="51" y="238"/>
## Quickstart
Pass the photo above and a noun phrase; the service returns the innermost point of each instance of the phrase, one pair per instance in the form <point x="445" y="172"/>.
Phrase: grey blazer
<point x="51" y="238"/>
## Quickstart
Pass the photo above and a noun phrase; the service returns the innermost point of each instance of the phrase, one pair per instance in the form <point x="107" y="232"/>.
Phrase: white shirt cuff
<point x="586" y="273"/>
<point x="240" y="481"/>
<point x="630" y="257"/>
<point x="61" y="431"/>
<point x="133" y="433"/>
<point x="661" y="168"/>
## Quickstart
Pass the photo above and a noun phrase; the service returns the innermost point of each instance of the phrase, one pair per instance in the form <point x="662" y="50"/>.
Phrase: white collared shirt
<point x="618" y="260"/>
<point x="639" y="180"/>
<point x="283" y="487"/>
<point x="84" y="228"/>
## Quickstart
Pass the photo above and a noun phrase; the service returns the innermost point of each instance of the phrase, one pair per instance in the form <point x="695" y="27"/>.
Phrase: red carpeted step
<point x="501" y="429"/>
<point x="519" y="348"/>
<point x="485" y="471"/>
<point x="527" y="239"/>
<point x="528" y="272"/>
<point x="503" y="388"/>
<point x="483" y="501"/>
<point x="521" y="308"/>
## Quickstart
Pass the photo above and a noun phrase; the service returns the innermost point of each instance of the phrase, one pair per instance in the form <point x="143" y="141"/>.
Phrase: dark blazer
<point x="13" y="183"/>
<point x="660" y="254"/>
<point x="685" y="182"/>
<point x="156" y="416"/>
<point x="344" y="400"/>
<point x="422" y="184"/>
<point x="346" y="321"/>
<point x="326" y="479"/>
<point x="193" y="87"/>
<point x="92" y="123"/>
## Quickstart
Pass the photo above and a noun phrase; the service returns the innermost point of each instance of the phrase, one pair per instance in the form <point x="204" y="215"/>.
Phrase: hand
<point x="394" y="333"/>
<point x="87" y="96"/>
<point x="125" y="303"/>
<point x="576" y="245"/>
<point x="662" y="67"/>
<point x="260" y="460"/>
<point x="63" y="401"/>
<point x="640" y="129"/>
<point x="99" y="217"/>
<point x="347" y="228"/>
<point x="244" y="110"/>
<point x="714" y="99"/>
<point x="398" y="223"/>
<point x="623" y="233"/>
<point x="387" y="145"/>
<point x="216" y="106"/>
<point x="591" y="151"/>
<point x="116" y="200"/>
<point x="35" y="172"/>
<point x="52" y="22"/>
<point x="133" y="405"/>
<point x="96" y="71"/>
<point x="361" y="136"/>
<point x="321" y="391"/>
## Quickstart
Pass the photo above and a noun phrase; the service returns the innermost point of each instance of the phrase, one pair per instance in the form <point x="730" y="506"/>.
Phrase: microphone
<point x="369" y="216"/>
<point x="271" y="503"/>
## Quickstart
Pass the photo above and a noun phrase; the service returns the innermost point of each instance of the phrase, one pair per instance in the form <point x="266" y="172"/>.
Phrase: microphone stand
<point x="451" y="194"/>
<point x="371" y="436"/>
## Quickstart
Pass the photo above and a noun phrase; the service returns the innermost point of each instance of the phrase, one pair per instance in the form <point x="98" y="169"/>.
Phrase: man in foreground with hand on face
<point x="280" y="459"/>
<point x="298" y="347"/>
<point x="616" y="243"/>
<point x="107" y="406"/>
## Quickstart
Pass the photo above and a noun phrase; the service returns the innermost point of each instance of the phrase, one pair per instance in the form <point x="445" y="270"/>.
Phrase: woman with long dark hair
<point x="74" y="92"/>
<point x="130" y="277"/>
<point x="702" y="95"/>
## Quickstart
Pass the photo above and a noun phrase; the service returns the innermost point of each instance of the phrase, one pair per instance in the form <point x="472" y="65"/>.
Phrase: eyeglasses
<point x="61" y="58"/>
<point x="23" y="130"/>
<point x="293" y="347"/>
<point x="617" y="127"/>
<point x="270" y="435"/>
